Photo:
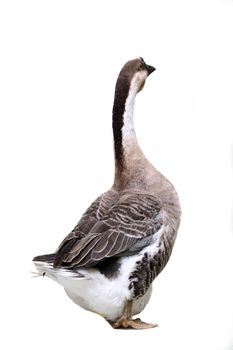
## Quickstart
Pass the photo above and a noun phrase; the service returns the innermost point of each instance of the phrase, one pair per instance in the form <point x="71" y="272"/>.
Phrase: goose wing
<point x="88" y="220"/>
<point x="126" y="228"/>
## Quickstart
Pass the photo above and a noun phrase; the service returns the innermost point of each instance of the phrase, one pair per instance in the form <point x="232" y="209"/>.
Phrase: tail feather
<point x="47" y="258"/>
<point x="45" y="267"/>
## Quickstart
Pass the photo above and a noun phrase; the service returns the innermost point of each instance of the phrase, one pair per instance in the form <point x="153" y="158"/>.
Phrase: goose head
<point x="134" y="74"/>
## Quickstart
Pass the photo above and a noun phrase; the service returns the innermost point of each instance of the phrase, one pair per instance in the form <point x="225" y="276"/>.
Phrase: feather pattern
<point x="125" y="228"/>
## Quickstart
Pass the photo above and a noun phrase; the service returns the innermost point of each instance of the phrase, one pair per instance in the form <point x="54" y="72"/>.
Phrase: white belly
<point x="105" y="296"/>
<point x="105" y="307"/>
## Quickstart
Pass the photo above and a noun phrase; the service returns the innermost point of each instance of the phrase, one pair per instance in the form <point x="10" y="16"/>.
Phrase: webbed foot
<point x="130" y="323"/>
<point x="126" y="321"/>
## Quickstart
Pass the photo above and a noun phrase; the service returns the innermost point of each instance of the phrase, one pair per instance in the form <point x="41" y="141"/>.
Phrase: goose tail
<point x="45" y="267"/>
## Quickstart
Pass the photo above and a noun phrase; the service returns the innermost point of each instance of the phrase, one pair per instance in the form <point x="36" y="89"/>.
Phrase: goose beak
<point x="150" y="69"/>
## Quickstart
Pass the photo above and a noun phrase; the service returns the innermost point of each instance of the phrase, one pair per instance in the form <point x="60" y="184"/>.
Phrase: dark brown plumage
<point x="122" y="230"/>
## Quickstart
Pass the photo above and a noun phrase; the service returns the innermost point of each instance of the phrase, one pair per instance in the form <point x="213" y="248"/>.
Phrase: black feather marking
<point x="121" y="94"/>
<point x="148" y="268"/>
<point x="109" y="267"/>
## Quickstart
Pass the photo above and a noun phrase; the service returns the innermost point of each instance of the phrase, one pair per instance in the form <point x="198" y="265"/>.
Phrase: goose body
<point x="123" y="241"/>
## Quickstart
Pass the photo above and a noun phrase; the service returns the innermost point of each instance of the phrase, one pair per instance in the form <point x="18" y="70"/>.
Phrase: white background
<point x="59" y="63"/>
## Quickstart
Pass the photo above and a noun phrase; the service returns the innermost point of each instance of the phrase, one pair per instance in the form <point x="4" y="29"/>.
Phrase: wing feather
<point x="124" y="229"/>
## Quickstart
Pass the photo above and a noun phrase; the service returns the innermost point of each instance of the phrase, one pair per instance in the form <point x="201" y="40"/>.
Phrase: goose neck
<point x="126" y="147"/>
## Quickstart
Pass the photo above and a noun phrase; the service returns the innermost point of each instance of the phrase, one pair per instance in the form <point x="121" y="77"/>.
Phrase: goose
<point x="108" y="262"/>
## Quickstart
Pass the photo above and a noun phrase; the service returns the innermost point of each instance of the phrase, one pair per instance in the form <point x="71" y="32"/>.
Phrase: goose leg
<point x="126" y="321"/>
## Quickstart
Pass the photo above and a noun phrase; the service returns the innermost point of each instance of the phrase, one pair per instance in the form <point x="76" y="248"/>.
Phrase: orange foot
<point x="135" y="324"/>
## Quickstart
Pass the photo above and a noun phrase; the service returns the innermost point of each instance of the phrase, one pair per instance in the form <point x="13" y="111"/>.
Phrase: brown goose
<point x="123" y="241"/>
